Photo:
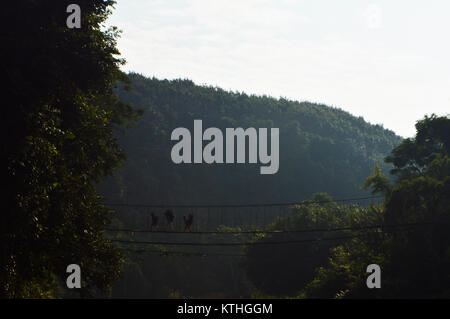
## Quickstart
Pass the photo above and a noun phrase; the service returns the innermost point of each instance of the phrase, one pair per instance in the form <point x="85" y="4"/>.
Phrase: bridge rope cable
<point x="304" y="202"/>
<point x="311" y="240"/>
<point x="208" y="254"/>
<point x="311" y="230"/>
<point x="183" y="253"/>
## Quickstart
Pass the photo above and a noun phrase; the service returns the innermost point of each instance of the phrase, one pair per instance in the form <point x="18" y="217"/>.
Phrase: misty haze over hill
<point x="321" y="148"/>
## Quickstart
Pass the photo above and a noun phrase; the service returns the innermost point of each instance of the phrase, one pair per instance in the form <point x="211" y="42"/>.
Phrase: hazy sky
<point x="388" y="61"/>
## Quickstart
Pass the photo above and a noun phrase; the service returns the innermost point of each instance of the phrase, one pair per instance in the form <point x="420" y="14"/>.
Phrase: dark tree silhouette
<point x="58" y="143"/>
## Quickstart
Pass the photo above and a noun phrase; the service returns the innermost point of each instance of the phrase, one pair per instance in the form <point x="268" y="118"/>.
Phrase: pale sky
<point x="387" y="61"/>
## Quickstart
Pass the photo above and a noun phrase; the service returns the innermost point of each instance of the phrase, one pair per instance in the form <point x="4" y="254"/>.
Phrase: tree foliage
<point x="322" y="149"/>
<point x="284" y="269"/>
<point x="414" y="259"/>
<point x="58" y="144"/>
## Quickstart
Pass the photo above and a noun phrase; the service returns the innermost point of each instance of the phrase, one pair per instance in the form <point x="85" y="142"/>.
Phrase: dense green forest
<point x="60" y="113"/>
<point x="89" y="180"/>
<point x="324" y="246"/>
<point x="322" y="149"/>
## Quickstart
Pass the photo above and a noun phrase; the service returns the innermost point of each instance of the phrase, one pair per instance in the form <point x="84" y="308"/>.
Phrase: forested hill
<point x="322" y="149"/>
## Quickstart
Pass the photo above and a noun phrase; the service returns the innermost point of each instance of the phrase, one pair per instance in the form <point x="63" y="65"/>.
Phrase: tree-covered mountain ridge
<point x="322" y="148"/>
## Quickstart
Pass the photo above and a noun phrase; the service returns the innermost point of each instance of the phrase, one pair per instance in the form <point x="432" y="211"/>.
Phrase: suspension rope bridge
<point x="378" y="229"/>
<point x="209" y="217"/>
